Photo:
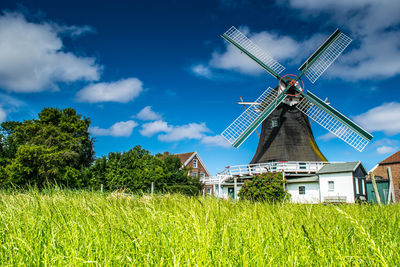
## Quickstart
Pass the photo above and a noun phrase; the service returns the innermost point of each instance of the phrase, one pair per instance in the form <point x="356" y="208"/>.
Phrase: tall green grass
<point x="60" y="227"/>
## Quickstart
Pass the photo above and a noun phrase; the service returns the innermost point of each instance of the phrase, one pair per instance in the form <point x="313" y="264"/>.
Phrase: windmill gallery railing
<point x="288" y="167"/>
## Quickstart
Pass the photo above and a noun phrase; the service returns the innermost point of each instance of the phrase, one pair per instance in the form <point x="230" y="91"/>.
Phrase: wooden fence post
<point x="235" y="188"/>
<point x="378" y="198"/>
<point x="391" y="187"/>
<point x="152" y="188"/>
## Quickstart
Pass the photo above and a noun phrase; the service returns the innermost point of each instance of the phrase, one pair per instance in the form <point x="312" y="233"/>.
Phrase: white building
<point x="343" y="182"/>
<point x="307" y="182"/>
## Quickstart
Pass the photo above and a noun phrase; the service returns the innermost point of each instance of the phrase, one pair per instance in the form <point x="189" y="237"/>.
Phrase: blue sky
<point x="158" y="74"/>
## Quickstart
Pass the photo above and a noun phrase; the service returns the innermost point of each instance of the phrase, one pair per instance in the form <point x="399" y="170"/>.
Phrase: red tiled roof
<point x="391" y="159"/>
<point x="184" y="156"/>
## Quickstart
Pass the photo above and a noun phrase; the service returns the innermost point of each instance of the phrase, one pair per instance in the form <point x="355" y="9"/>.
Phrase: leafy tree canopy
<point x="51" y="149"/>
<point x="136" y="169"/>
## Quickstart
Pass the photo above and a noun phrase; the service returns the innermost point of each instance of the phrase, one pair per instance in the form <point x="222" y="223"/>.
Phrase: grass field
<point x="61" y="227"/>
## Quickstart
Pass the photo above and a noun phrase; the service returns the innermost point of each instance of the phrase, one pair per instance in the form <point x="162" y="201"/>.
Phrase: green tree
<point x="136" y="169"/>
<point x="54" y="148"/>
<point x="264" y="187"/>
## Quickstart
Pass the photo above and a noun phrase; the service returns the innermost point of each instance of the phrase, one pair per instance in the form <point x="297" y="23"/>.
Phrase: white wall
<point x="344" y="186"/>
<point x="311" y="195"/>
<point x="224" y="191"/>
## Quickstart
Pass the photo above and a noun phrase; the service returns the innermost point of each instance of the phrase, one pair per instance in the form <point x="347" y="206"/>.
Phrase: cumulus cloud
<point x="33" y="59"/>
<point x="172" y="133"/>
<point x="121" y="91"/>
<point x="382" y="118"/>
<point x="326" y="137"/>
<point x="201" y="70"/>
<point x="118" y="129"/>
<point x="147" y="114"/>
<point x="216" y="140"/>
<point x="151" y="128"/>
<point x="385" y="150"/>
<point x="187" y="131"/>
<point x="375" y="27"/>
<point x="3" y="114"/>
<point x="281" y="47"/>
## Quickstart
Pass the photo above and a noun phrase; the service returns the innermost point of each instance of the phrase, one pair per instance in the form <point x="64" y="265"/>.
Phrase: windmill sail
<point x="325" y="55"/>
<point x="244" y="44"/>
<point x="251" y="118"/>
<point x="334" y="121"/>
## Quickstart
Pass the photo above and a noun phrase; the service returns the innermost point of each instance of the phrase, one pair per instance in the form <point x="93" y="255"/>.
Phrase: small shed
<point x="303" y="189"/>
<point x="342" y="182"/>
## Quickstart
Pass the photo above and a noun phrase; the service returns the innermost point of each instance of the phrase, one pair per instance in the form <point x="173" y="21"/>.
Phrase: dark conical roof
<point x="286" y="135"/>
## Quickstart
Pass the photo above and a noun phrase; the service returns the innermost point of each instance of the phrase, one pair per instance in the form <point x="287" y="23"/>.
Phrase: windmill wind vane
<point x="290" y="92"/>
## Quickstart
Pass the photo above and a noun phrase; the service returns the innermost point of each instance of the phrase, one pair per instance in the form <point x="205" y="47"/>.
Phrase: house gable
<point x="187" y="160"/>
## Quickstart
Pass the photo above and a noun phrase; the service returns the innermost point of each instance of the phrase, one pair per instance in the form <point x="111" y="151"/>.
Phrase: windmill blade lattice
<point x="251" y="118"/>
<point x="320" y="61"/>
<point x="334" y="121"/>
<point x="238" y="39"/>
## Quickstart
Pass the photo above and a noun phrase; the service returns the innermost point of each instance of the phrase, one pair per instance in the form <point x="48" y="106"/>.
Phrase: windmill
<point x="285" y="110"/>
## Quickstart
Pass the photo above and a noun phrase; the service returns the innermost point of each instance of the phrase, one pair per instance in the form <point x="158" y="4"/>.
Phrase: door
<point x="231" y="192"/>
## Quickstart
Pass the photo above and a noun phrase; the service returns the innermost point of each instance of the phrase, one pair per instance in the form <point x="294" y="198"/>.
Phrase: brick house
<point x="381" y="172"/>
<point x="196" y="166"/>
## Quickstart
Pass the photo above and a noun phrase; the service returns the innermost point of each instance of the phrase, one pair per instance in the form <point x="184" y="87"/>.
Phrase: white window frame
<point x="202" y="175"/>
<point x="274" y="122"/>
<point x="194" y="174"/>
<point x="195" y="163"/>
<point x="333" y="185"/>
<point x="356" y="184"/>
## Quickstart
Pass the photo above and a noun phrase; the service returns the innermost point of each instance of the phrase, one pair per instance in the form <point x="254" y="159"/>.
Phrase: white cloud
<point x="3" y="114"/>
<point x="32" y="56"/>
<point x="187" y="131"/>
<point x="382" y="118"/>
<point x="385" y="150"/>
<point x="216" y="140"/>
<point x="151" y="128"/>
<point x="171" y="133"/>
<point x="326" y="137"/>
<point x="147" y="114"/>
<point x="374" y="25"/>
<point x="118" y="129"/>
<point x="280" y="47"/>
<point x="201" y="70"/>
<point x="121" y="91"/>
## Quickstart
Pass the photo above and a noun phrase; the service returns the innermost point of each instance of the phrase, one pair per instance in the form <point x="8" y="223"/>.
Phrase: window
<point x="362" y="187"/>
<point x="274" y="122"/>
<point x="208" y="191"/>
<point x="302" y="166"/>
<point x="194" y="174"/>
<point x="357" y="186"/>
<point x="302" y="190"/>
<point x="202" y="175"/>
<point x="331" y="185"/>
<point x="194" y="163"/>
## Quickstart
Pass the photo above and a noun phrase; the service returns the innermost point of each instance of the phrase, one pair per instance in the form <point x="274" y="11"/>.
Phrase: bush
<point x="264" y="187"/>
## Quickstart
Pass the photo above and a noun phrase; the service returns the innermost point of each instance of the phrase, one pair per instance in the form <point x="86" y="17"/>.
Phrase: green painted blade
<point x="252" y="117"/>
<point x="238" y="39"/>
<point x="334" y="121"/>
<point x="324" y="56"/>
